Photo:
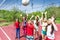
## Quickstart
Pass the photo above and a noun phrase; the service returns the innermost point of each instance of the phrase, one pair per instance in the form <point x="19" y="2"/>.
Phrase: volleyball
<point x="25" y="2"/>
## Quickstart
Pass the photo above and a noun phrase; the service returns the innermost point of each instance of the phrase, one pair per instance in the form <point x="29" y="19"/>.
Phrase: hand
<point x="46" y="12"/>
<point x="32" y="15"/>
<point x="52" y="21"/>
<point x="53" y="18"/>
<point x="20" y="14"/>
<point x="42" y="13"/>
<point x="27" y="14"/>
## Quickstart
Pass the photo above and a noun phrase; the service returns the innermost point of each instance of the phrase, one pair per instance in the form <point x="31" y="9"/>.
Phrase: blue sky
<point x="38" y="5"/>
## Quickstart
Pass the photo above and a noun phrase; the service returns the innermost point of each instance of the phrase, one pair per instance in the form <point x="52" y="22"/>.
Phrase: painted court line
<point x="5" y="33"/>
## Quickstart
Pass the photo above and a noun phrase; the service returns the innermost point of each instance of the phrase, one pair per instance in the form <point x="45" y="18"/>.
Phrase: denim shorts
<point x="43" y="32"/>
<point x="30" y="37"/>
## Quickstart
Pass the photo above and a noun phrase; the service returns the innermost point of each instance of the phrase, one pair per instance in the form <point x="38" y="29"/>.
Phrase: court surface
<point x="8" y="33"/>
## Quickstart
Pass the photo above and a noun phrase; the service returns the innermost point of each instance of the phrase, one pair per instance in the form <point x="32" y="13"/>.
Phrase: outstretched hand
<point x="27" y="15"/>
<point x="21" y="15"/>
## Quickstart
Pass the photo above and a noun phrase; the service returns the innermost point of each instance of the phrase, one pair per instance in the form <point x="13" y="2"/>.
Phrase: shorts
<point x="29" y="38"/>
<point x="49" y="39"/>
<point x="43" y="32"/>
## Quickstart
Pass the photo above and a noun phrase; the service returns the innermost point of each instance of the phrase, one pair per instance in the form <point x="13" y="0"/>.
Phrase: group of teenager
<point x="31" y="27"/>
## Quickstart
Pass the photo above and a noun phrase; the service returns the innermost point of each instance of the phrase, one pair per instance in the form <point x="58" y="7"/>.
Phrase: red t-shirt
<point x="30" y="29"/>
<point x="17" y="24"/>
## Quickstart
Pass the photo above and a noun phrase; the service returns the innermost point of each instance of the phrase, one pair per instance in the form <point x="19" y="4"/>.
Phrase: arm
<point x="31" y="17"/>
<point x="55" y="27"/>
<point x="46" y="15"/>
<point x="42" y="16"/>
<point x="41" y="19"/>
<point x="27" y="16"/>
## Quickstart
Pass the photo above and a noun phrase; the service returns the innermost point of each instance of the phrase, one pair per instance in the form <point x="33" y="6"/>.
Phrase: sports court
<point x="11" y="9"/>
<point x="8" y="33"/>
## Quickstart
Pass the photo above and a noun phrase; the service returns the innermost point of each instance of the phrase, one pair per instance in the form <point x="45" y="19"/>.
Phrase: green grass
<point x="5" y="23"/>
<point x="58" y="21"/>
<point x="2" y="19"/>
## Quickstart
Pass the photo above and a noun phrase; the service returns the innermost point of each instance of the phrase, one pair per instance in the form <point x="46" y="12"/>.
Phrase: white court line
<point x="5" y="33"/>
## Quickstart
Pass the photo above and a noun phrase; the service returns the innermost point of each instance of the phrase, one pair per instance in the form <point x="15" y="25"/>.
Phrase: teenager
<point x="51" y="29"/>
<point x="36" y="25"/>
<point x="17" y="25"/>
<point x="43" y="23"/>
<point x="30" y="31"/>
<point x="53" y="18"/>
<point x="24" y="23"/>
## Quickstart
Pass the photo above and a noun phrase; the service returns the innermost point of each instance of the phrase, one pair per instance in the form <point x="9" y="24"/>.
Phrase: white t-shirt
<point x="36" y="27"/>
<point x="49" y="35"/>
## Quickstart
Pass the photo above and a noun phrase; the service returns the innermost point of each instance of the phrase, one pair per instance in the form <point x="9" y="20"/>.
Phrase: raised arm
<point x="46" y="15"/>
<point x="55" y="27"/>
<point x="31" y="17"/>
<point x="41" y="19"/>
<point x="27" y="16"/>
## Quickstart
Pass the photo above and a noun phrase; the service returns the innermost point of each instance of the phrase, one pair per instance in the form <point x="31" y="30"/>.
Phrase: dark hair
<point x="46" y="28"/>
<point x="52" y="29"/>
<point x="25" y="18"/>
<point x="43" y="15"/>
<point x="37" y="23"/>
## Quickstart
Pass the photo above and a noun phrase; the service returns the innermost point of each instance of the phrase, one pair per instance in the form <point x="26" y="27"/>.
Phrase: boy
<point x="17" y="25"/>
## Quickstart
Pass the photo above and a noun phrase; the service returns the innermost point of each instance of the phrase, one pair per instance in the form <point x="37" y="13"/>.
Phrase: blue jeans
<point x="30" y="38"/>
<point x="18" y="33"/>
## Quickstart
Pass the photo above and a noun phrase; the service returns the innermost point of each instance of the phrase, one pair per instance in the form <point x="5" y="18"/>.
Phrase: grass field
<point x="5" y="23"/>
<point x="58" y="21"/>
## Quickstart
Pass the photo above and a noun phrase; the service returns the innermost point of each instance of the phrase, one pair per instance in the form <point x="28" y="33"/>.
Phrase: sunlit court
<point x="29" y="19"/>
